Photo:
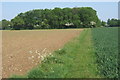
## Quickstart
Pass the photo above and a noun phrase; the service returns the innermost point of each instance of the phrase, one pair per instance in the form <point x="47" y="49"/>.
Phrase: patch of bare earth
<point x="0" y="55"/>
<point x="23" y="50"/>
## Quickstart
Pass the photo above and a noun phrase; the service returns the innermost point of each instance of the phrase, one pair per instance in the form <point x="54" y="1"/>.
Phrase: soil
<point x="0" y="54"/>
<point x="23" y="50"/>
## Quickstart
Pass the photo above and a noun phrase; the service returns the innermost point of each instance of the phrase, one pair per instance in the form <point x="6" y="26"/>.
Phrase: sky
<point x="104" y="10"/>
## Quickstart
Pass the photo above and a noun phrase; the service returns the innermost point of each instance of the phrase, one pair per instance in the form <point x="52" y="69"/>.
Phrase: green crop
<point x="105" y="42"/>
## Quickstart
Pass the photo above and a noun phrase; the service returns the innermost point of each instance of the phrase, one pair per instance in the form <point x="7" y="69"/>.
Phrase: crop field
<point x="93" y="53"/>
<point x="75" y="60"/>
<point x="22" y="50"/>
<point x="105" y="42"/>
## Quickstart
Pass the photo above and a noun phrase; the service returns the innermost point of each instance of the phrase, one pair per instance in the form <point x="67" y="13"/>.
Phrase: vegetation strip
<point x="106" y="48"/>
<point x="75" y="60"/>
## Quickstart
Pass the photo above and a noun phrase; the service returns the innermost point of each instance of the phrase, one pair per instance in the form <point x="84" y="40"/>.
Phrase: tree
<point x="18" y="23"/>
<point x="0" y="25"/>
<point x="57" y="18"/>
<point x="6" y="25"/>
<point x="103" y="23"/>
<point x="113" y="22"/>
<point x="87" y="15"/>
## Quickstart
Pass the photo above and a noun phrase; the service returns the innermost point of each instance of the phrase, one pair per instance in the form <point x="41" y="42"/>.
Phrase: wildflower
<point x="50" y="53"/>
<point x="32" y="56"/>
<point x="42" y="58"/>
<point x="30" y="52"/>
<point x="36" y="51"/>
<point x="59" y="49"/>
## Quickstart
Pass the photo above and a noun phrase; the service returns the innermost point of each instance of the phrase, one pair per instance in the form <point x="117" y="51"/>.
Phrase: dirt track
<point x="22" y="50"/>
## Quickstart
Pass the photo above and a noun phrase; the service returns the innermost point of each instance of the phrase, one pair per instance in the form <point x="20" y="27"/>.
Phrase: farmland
<point x="75" y="60"/>
<point x="59" y="40"/>
<point x="22" y="50"/>
<point x="92" y="53"/>
<point x="106" y="49"/>
<point x="0" y="54"/>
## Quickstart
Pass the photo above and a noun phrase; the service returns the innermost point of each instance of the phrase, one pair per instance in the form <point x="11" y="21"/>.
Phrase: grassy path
<point x="84" y="59"/>
<point x="75" y="60"/>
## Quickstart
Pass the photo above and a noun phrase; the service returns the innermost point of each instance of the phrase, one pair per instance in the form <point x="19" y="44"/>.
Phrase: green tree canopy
<point x="56" y="18"/>
<point x="113" y="22"/>
<point x="6" y="24"/>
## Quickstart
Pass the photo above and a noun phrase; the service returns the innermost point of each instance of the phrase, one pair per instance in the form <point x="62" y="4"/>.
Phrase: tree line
<point x="57" y="18"/>
<point x="113" y="22"/>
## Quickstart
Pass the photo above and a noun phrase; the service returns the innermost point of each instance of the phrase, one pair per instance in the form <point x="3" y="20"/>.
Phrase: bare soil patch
<point x="23" y="50"/>
<point x="0" y="55"/>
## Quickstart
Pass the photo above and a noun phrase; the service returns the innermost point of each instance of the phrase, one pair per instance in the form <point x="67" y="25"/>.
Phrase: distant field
<point x="22" y="50"/>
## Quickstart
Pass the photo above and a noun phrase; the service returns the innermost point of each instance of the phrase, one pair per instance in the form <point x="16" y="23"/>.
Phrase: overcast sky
<point x="104" y="10"/>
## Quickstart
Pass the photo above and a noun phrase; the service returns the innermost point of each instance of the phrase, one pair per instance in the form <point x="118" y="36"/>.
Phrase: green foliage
<point x="113" y="23"/>
<point x="56" y="18"/>
<point x="87" y="15"/>
<point x="0" y="25"/>
<point x="16" y="77"/>
<point x="18" y="23"/>
<point x="106" y="48"/>
<point x="6" y="25"/>
<point x="36" y="73"/>
<point x="103" y="23"/>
